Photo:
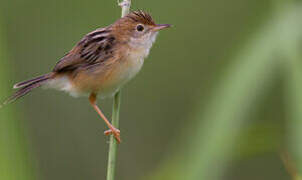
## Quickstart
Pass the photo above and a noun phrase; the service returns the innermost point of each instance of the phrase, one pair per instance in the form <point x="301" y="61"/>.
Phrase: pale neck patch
<point x="143" y="44"/>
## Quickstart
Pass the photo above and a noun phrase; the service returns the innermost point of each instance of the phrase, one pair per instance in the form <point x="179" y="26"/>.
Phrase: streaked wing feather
<point x="95" y="47"/>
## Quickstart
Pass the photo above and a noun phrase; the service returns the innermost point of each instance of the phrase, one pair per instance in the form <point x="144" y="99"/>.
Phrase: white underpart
<point x="144" y="43"/>
<point x="63" y="84"/>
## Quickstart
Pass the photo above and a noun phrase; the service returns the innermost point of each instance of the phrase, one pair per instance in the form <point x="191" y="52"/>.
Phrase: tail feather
<point x="21" y="92"/>
<point x="31" y="81"/>
<point x="26" y="87"/>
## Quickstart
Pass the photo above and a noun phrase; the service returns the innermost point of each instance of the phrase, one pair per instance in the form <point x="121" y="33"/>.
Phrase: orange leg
<point x="112" y="129"/>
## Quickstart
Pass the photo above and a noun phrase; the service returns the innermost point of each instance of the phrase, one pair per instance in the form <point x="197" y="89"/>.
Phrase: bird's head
<point x="138" y="28"/>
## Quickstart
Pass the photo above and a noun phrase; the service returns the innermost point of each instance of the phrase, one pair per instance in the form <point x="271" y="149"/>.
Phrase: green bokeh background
<point x="218" y="97"/>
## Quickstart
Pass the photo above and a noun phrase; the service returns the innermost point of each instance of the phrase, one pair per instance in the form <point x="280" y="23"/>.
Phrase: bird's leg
<point x="112" y="129"/>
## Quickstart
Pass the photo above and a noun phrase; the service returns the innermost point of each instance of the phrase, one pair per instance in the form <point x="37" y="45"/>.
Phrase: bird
<point x="102" y="62"/>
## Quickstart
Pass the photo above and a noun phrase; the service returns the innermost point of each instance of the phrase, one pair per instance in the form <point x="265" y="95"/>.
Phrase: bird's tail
<point x="27" y="86"/>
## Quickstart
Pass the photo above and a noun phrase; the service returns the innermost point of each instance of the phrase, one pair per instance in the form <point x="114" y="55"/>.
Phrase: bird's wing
<point x="95" y="47"/>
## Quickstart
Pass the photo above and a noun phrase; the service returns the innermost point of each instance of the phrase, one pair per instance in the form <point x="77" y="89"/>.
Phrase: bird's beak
<point x="158" y="27"/>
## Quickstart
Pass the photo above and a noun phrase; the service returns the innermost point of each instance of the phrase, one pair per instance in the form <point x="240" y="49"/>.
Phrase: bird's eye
<point x="139" y="27"/>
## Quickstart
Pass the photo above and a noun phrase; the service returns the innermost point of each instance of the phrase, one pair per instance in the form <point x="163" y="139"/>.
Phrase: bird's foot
<point x="116" y="133"/>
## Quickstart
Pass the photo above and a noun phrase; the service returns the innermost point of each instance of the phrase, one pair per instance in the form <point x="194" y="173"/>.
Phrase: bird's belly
<point x="106" y="81"/>
<point x="119" y="76"/>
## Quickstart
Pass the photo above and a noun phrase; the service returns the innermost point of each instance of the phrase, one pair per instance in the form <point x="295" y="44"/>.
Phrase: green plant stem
<point x="113" y="143"/>
<point x="125" y="5"/>
<point x="112" y="154"/>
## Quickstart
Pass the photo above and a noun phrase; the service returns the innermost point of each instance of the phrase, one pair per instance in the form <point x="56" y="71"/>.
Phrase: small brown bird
<point x="101" y="63"/>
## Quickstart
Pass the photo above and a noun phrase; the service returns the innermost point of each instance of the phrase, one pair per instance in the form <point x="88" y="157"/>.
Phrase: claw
<point x="115" y="132"/>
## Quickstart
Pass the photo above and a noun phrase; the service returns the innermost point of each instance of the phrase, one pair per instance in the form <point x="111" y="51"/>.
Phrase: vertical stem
<point x="125" y="5"/>
<point x="113" y="143"/>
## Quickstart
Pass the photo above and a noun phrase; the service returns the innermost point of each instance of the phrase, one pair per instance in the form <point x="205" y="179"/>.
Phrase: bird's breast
<point x="130" y="65"/>
<point x="122" y="72"/>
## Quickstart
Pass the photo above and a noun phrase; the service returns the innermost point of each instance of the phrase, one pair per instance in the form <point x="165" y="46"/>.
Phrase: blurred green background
<point x="219" y="97"/>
